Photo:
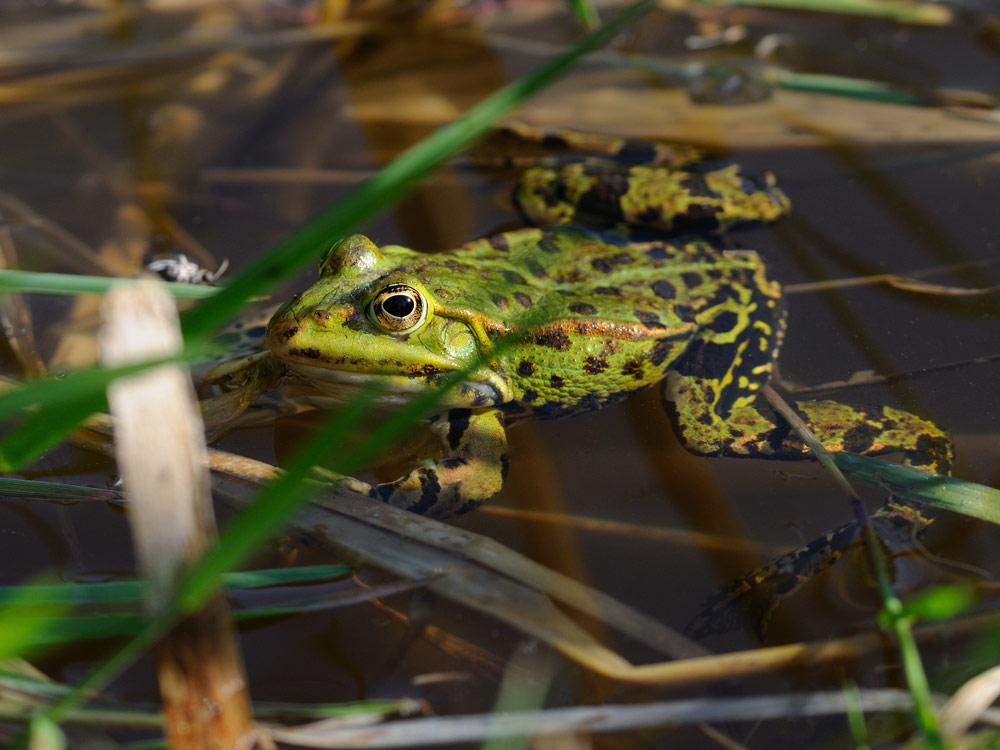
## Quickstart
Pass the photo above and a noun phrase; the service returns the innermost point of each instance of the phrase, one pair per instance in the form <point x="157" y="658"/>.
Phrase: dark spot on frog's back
<point x="609" y="290"/>
<point x="499" y="242"/>
<point x="595" y="365"/>
<point x="549" y="245"/>
<point x="664" y="289"/>
<point x="523" y="299"/>
<point x="582" y="308"/>
<point x="553" y="338"/>
<point x="537" y="269"/>
<point x="648" y="319"/>
<point x="691" y="279"/>
<point x="633" y="367"/>
<point x="513" y="277"/>
<point x="529" y="396"/>
<point x="664" y="348"/>
<point x="309" y="353"/>
<point x="556" y="381"/>
<point x="525" y="368"/>
<point x="610" y="263"/>
<point x="500" y="301"/>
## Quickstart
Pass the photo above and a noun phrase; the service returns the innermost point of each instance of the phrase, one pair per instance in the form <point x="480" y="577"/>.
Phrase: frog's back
<point x="606" y="316"/>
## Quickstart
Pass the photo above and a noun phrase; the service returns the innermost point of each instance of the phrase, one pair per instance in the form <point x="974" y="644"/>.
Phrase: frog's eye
<point x="399" y="308"/>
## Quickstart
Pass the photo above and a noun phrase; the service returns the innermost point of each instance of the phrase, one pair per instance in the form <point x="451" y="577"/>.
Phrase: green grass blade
<point x="939" y="603"/>
<point x="111" y="592"/>
<point x="51" y="631"/>
<point x="853" y="88"/>
<point x="35" y="282"/>
<point x="14" y="487"/>
<point x="584" y="12"/>
<point x="257" y="579"/>
<point x="903" y="12"/>
<point x="45" y="429"/>
<point x="968" y="498"/>
<point x="23" y="625"/>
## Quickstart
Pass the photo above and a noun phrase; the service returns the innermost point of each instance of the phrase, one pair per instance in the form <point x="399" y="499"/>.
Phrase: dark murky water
<point x="188" y="135"/>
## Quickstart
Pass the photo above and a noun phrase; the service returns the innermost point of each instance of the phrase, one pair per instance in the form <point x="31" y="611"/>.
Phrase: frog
<point x="551" y="321"/>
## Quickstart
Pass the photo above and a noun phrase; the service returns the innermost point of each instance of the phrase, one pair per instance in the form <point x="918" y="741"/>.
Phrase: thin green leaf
<point x="35" y="282"/>
<point x="15" y="487"/>
<point x="78" y="386"/>
<point x="938" y="603"/>
<point x="19" y="633"/>
<point x="968" y="498"/>
<point x="856" y="715"/>
<point x="46" y="734"/>
<point x="256" y="579"/>
<point x="584" y="12"/>
<point x="853" y="88"/>
<point x="45" y="429"/>
<point x="897" y="10"/>
<point x="111" y="592"/>
<point x="316" y="711"/>
<point x="55" y="631"/>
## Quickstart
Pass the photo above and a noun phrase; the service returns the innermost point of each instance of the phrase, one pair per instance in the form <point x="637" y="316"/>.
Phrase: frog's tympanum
<point x="556" y="321"/>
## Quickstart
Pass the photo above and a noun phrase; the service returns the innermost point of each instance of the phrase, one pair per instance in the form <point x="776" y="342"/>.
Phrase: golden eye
<point x="399" y="308"/>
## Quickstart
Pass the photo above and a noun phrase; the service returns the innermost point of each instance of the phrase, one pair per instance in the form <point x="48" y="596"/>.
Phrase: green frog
<point x="561" y="320"/>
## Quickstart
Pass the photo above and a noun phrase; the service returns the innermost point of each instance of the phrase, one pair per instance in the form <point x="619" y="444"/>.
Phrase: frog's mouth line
<point x="486" y="388"/>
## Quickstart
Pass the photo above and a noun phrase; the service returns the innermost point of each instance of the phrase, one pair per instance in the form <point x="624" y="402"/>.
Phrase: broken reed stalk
<point x="162" y="459"/>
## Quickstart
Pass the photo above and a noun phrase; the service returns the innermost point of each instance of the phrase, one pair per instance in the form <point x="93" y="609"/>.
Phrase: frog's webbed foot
<point x="754" y="430"/>
<point x="471" y="472"/>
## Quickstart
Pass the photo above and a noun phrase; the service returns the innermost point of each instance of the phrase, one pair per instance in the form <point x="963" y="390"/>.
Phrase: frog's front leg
<point x="472" y="470"/>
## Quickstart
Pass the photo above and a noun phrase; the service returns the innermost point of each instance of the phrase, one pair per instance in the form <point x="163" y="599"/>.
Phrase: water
<point x="875" y="188"/>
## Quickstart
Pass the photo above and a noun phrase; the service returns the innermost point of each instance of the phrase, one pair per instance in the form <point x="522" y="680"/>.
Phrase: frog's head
<point x="371" y="318"/>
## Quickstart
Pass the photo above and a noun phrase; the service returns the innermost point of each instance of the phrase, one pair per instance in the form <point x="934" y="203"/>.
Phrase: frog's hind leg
<point x="755" y="430"/>
<point x="751" y="600"/>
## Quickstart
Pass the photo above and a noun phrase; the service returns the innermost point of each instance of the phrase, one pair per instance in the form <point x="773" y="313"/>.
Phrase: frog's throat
<point x="482" y="388"/>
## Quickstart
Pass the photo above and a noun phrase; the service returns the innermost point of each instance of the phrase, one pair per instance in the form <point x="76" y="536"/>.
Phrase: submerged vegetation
<point x="163" y="192"/>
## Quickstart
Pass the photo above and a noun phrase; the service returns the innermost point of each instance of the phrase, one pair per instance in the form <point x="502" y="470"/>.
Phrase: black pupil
<point x="398" y="305"/>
